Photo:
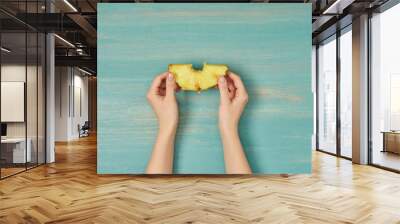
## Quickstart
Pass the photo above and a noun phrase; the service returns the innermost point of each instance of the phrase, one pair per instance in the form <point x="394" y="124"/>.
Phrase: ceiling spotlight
<point x="84" y="71"/>
<point x="70" y="5"/>
<point x="79" y="51"/>
<point x="65" y="41"/>
<point x="337" y="7"/>
<point x="5" y="50"/>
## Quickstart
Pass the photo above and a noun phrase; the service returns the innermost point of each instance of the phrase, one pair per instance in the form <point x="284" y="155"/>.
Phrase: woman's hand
<point x="233" y="101"/>
<point x="161" y="97"/>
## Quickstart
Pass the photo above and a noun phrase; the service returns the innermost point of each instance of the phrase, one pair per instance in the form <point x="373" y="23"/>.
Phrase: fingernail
<point x="222" y="80"/>
<point x="170" y="77"/>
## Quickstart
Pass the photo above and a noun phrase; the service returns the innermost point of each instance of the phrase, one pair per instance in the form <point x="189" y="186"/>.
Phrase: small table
<point x="391" y="141"/>
<point x="18" y="151"/>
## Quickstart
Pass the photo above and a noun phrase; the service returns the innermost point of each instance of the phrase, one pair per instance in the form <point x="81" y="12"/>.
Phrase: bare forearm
<point x="234" y="156"/>
<point x="162" y="157"/>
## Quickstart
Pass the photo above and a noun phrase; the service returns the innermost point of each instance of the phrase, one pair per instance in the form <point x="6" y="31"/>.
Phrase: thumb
<point x="223" y="89"/>
<point x="170" y="86"/>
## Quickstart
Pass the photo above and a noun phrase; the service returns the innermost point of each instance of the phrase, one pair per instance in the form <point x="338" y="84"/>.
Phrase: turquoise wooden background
<point x="268" y="45"/>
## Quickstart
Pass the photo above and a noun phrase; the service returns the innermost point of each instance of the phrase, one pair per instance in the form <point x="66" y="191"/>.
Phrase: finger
<point x="163" y="83"/>
<point x="231" y="86"/>
<point x="232" y="95"/>
<point x="237" y="81"/>
<point x="162" y="88"/>
<point x="231" y="89"/>
<point x="228" y="78"/>
<point x="157" y="83"/>
<point x="161" y="92"/>
<point x="223" y="89"/>
<point x="170" y="86"/>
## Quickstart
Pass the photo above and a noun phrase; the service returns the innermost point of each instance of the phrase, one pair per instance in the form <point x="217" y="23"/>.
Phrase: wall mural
<point x="268" y="45"/>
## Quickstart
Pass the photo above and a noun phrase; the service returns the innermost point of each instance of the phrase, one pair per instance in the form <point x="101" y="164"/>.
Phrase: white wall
<point x="34" y="126"/>
<point x="9" y="73"/>
<point x="13" y="101"/>
<point x="17" y="73"/>
<point x="62" y="82"/>
<point x="80" y="109"/>
<point x="70" y="83"/>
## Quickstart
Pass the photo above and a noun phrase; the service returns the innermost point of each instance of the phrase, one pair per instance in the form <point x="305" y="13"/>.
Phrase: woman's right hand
<point x="233" y="100"/>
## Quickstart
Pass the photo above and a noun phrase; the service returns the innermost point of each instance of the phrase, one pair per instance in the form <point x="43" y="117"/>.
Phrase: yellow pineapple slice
<point x="196" y="80"/>
<point x="184" y="76"/>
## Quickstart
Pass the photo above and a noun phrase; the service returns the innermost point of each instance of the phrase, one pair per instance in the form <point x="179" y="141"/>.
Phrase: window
<point x="385" y="89"/>
<point x="327" y="95"/>
<point x="22" y="79"/>
<point x="346" y="92"/>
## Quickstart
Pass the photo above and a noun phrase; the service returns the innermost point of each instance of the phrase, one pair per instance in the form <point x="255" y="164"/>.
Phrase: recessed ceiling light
<point x="70" y="5"/>
<point x="84" y="71"/>
<point x="65" y="41"/>
<point x="337" y="7"/>
<point x="5" y="50"/>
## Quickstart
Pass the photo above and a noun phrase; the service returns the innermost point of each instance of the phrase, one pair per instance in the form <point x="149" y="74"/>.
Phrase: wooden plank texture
<point x="70" y="191"/>
<point x="268" y="45"/>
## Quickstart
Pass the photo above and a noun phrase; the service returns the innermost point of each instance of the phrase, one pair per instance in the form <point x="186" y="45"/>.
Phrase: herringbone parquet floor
<point x="70" y="191"/>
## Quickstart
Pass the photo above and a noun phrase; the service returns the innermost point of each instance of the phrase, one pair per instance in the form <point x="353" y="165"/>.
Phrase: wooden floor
<point x="5" y="172"/>
<point x="387" y="159"/>
<point x="70" y="191"/>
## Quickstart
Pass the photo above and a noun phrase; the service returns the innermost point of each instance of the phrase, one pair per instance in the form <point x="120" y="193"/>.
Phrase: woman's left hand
<point x="161" y="97"/>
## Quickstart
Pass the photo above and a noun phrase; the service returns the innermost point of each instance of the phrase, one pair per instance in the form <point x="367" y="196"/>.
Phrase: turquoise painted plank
<point x="268" y="45"/>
